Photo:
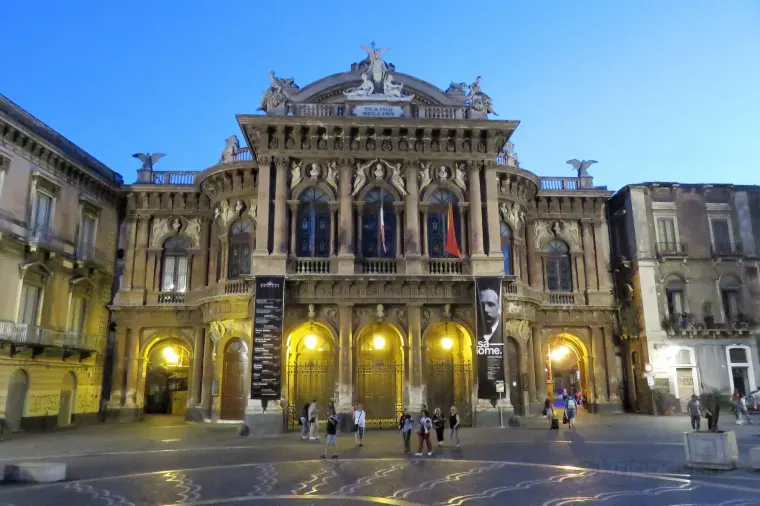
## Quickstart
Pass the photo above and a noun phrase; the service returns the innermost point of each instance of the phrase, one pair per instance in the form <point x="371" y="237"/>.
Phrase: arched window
<point x="375" y="202"/>
<point x="437" y="223"/>
<point x="558" y="274"/>
<point x="240" y="249"/>
<point x="506" y="247"/>
<point x="174" y="265"/>
<point x="313" y="236"/>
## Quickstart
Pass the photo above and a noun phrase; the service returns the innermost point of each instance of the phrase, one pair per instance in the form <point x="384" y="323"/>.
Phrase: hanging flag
<point x="451" y="236"/>
<point x="312" y="226"/>
<point x="382" y="224"/>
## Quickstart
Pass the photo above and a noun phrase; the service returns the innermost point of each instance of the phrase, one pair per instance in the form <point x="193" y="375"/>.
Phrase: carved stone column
<point x="589" y="255"/>
<point x="412" y="213"/>
<point x="129" y="260"/>
<point x="398" y="208"/>
<point x="141" y="244"/>
<point x="333" y="223"/>
<point x="531" y="370"/>
<point x="346" y="216"/>
<point x="345" y="359"/>
<point x="153" y="270"/>
<point x="597" y="367"/>
<point x="224" y="249"/>
<point x="196" y="379"/>
<point x="601" y="233"/>
<point x="213" y="255"/>
<point x="262" y="210"/>
<point x="198" y="278"/>
<point x="132" y="352"/>
<point x="613" y="382"/>
<point x="476" y="212"/>
<point x="535" y="266"/>
<point x="119" y="364"/>
<point x="462" y="226"/>
<point x="359" y="229"/>
<point x="425" y="243"/>
<point x="539" y="364"/>
<point x="579" y="284"/>
<point x="415" y="389"/>
<point x="279" y="244"/>
<point x="293" y="226"/>
<point x="492" y="214"/>
<point x="207" y="375"/>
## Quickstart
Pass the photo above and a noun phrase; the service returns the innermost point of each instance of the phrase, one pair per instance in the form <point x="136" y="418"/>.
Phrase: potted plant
<point x="667" y="324"/>
<point x="665" y="403"/>
<point x="714" y="449"/>
<point x="707" y="310"/>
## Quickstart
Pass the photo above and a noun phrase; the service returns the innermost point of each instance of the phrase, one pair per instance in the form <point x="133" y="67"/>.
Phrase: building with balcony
<point x="59" y="220"/>
<point x="686" y="264"/>
<point x="340" y="255"/>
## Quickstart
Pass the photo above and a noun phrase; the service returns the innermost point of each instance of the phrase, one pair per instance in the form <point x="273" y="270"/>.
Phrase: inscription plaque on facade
<point x="267" y="338"/>
<point x="378" y="111"/>
<point x="490" y="330"/>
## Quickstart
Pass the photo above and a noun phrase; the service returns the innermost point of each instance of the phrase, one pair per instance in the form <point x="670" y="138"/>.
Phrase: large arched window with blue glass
<point x="559" y="276"/>
<point x="506" y="247"/>
<point x="378" y="202"/>
<point x="313" y="237"/>
<point x="438" y="222"/>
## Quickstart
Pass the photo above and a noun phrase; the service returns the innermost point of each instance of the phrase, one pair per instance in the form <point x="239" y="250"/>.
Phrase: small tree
<point x="715" y="402"/>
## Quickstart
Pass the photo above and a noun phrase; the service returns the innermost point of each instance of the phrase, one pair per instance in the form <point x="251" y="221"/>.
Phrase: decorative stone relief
<point x="380" y="312"/>
<point x="360" y="176"/>
<point x="330" y="314"/>
<point x="295" y="174"/>
<point x="459" y="176"/>
<point x="231" y="148"/>
<point x="278" y="93"/>
<point x="313" y="171"/>
<point x="397" y="180"/>
<point x="332" y="175"/>
<point x="399" y="313"/>
<point x="479" y="101"/>
<point x="224" y="214"/>
<point x="567" y="231"/>
<point x="193" y="231"/>
<point x="311" y="312"/>
<point x="464" y="314"/>
<point x="424" y="174"/>
<point x="159" y="230"/>
<point x="519" y="310"/>
<point x="519" y="329"/>
<point x="513" y="213"/>
<point x="252" y="208"/>
<point x="443" y="173"/>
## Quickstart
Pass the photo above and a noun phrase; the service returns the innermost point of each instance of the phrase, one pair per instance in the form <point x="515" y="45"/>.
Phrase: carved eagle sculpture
<point x="148" y="159"/>
<point x="581" y="166"/>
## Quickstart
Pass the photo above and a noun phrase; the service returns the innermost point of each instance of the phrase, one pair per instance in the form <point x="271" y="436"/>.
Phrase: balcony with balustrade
<point x="21" y="336"/>
<point x="671" y="249"/>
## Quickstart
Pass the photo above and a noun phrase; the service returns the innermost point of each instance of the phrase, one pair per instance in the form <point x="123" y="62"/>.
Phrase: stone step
<point x="35" y="472"/>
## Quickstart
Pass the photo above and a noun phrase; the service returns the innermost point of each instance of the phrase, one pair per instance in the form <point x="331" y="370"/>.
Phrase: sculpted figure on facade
<point x="443" y="173"/>
<point x="159" y="230"/>
<point x="360" y="177"/>
<point x="224" y="214"/>
<point x="365" y="89"/>
<point x="377" y="67"/>
<point x="313" y="171"/>
<point x="513" y="213"/>
<point x="193" y="231"/>
<point x="390" y="88"/>
<point x="510" y="157"/>
<point x="479" y="101"/>
<point x="457" y="88"/>
<point x="397" y="180"/>
<point x="295" y="174"/>
<point x="148" y="159"/>
<point x="332" y="174"/>
<point x="278" y="92"/>
<point x="231" y="148"/>
<point x="459" y="176"/>
<point x="425" y="178"/>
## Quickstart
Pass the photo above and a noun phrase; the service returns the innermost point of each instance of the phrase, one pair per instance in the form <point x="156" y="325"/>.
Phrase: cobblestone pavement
<point x="613" y="461"/>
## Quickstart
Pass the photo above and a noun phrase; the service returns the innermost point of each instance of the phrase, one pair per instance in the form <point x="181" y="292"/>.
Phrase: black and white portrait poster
<point x="267" y="338"/>
<point x="490" y="333"/>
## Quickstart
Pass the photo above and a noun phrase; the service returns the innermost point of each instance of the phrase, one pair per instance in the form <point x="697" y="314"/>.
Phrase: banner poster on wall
<point x="267" y="338"/>
<point x="490" y="331"/>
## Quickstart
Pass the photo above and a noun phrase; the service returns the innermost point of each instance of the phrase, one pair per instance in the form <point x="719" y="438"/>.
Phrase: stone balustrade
<point x="566" y="183"/>
<point x="445" y="266"/>
<point x="440" y="112"/>
<point x="314" y="110"/>
<point x="32" y="335"/>
<point x="237" y="287"/>
<point x="170" y="298"/>
<point x="560" y="299"/>
<point x="311" y="266"/>
<point x="243" y="155"/>
<point x="174" y="178"/>
<point x="382" y="266"/>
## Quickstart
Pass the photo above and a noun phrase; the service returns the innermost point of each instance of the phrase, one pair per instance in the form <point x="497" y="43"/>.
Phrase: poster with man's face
<point x="490" y="336"/>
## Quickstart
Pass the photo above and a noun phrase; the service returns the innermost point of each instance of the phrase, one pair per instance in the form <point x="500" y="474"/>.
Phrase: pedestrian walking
<point x="305" y="421"/>
<point x="360" y="419"/>
<point x="438" y="425"/>
<point x="454" y="423"/>
<point x="741" y="410"/>
<point x="332" y="434"/>
<point x="426" y="425"/>
<point x="313" y="419"/>
<point x="694" y="407"/>
<point x="570" y="410"/>
<point x="405" y="425"/>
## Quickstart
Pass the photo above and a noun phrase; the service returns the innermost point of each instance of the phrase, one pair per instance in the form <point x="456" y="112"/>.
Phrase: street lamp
<point x="311" y="341"/>
<point x="447" y="343"/>
<point x="170" y="355"/>
<point x="378" y="342"/>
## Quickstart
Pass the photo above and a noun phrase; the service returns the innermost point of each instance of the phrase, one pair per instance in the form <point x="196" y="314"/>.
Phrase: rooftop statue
<point x="231" y="148"/>
<point x="148" y="159"/>
<point x="278" y="92"/>
<point x="377" y="67"/>
<point x="479" y="101"/>
<point x="377" y="80"/>
<point x="365" y="89"/>
<point x="582" y="166"/>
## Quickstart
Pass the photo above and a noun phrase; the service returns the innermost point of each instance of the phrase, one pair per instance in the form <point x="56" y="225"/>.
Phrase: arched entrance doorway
<point x="567" y="367"/>
<point x="166" y="378"/>
<point x="515" y="375"/>
<point x="311" y="370"/>
<point x="67" y="399"/>
<point x="18" y="388"/>
<point x="234" y="365"/>
<point x="448" y="369"/>
<point x="380" y="374"/>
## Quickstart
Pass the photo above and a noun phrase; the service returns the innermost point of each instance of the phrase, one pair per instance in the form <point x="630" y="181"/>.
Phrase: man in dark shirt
<point x="332" y="431"/>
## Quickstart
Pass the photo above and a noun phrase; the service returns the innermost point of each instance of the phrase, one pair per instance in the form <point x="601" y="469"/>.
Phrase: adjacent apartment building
<point x="383" y="246"/>
<point x="685" y="258"/>
<point x="59" y="220"/>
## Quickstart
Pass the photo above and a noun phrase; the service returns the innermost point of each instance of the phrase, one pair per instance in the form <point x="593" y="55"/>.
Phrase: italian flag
<point x="382" y="227"/>
<point x="451" y="237"/>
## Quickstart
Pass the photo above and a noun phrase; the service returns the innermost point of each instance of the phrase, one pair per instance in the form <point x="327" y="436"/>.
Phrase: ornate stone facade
<point x="367" y="172"/>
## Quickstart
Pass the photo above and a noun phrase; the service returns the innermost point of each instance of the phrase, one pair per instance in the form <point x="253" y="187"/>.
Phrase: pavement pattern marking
<point x="403" y="482"/>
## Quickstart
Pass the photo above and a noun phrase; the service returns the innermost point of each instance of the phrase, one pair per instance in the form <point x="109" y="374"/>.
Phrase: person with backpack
<point x="332" y="434"/>
<point x="305" y="421"/>
<point x="426" y="425"/>
<point x="405" y="425"/>
<point x="438" y="423"/>
<point x="570" y="410"/>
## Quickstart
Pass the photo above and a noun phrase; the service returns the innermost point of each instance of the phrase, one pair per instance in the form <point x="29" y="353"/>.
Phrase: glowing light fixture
<point x="310" y="341"/>
<point x="378" y="342"/>
<point x="447" y="343"/>
<point x="170" y="355"/>
<point x="559" y="353"/>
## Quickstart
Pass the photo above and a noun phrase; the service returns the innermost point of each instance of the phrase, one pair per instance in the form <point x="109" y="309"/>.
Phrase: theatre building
<point x="373" y="240"/>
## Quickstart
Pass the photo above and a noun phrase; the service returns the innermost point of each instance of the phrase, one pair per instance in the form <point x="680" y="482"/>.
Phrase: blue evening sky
<point x="654" y="90"/>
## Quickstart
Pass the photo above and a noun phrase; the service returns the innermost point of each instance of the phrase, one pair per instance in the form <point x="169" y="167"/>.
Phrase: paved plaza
<point x="608" y="460"/>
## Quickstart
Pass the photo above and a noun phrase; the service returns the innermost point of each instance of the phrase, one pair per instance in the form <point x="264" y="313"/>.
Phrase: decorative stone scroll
<point x="565" y="230"/>
<point x="513" y="213"/>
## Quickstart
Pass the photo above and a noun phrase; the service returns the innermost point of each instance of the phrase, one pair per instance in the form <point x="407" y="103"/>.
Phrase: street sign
<point x="650" y="381"/>
<point x="500" y="387"/>
<point x="648" y="368"/>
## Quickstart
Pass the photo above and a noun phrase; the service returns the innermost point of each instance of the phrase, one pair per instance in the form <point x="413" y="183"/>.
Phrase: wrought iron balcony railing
<point x="671" y="249"/>
<point x="32" y="335"/>
<point x="726" y="249"/>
